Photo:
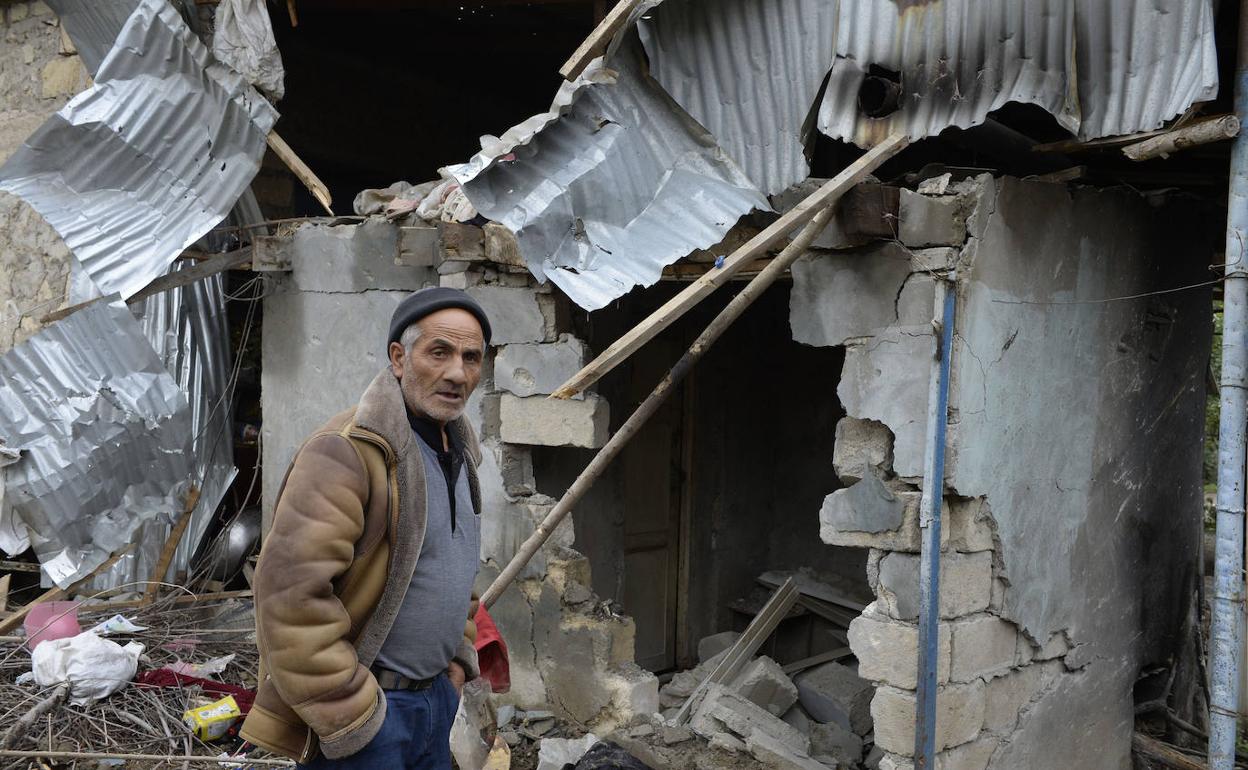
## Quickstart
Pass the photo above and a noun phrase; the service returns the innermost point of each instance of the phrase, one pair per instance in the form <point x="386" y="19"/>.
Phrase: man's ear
<point x="397" y="356"/>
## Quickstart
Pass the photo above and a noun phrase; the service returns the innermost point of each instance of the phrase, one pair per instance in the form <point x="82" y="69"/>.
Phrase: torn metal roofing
<point x="93" y="25"/>
<point x="104" y="432"/>
<point x="152" y="156"/>
<point x="1101" y="67"/>
<point x="610" y="186"/>
<point x="768" y="57"/>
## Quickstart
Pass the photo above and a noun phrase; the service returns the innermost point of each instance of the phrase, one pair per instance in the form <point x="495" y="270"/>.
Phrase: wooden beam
<point x="171" y="547"/>
<point x="295" y="163"/>
<point x="798" y="666"/>
<point x="1167" y="755"/>
<point x="4" y="592"/>
<point x="676" y="307"/>
<point x="19" y="566"/>
<point x="54" y="594"/>
<point x="744" y="648"/>
<point x="1216" y="129"/>
<point x="596" y="44"/>
<point x="179" y="601"/>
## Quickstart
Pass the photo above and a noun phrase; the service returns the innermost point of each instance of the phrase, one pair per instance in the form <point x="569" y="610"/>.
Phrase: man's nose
<point x="455" y="372"/>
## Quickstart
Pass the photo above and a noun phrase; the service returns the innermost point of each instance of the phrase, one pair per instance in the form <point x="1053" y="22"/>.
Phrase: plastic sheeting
<point x="609" y="186"/>
<point x="139" y="166"/>
<point x="243" y="39"/>
<point x="104" y="432"/>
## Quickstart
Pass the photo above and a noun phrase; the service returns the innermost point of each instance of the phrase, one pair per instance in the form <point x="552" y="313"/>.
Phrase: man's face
<point x="443" y="367"/>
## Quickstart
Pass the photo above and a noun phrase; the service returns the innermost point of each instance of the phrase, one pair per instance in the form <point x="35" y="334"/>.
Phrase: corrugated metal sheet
<point x="104" y="432"/>
<point x="1101" y="67"/>
<point x="768" y="58"/>
<point x="139" y="166"/>
<point x="609" y="186"/>
<point x="93" y="25"/>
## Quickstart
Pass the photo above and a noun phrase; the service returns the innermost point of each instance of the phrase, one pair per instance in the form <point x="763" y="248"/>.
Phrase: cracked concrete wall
<point x="1074" y="469"/>
<point x="39" y="72"/>
<point x="324" y="333"/>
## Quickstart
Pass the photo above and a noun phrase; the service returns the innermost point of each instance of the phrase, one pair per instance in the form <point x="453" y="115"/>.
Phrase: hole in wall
<point x="880" y="93"/>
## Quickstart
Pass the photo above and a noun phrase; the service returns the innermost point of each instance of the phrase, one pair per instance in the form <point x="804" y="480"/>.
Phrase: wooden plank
<point x="18" y="566"/>
<point x="1165" y="754"/>
<point x="295" y="164"/>
<point x="179" y="601"/>
<point x="54" y="594"/>
<point x="171" y="547"/>
<point x="814" y="588"/>
<point x="799" y="666"/>
<point x="744" y="648"/>
<point x="596" y="44"/>
<point x="4" y="592"/>
<point x="1216" y="129"/>
<point x="676" y="307"/>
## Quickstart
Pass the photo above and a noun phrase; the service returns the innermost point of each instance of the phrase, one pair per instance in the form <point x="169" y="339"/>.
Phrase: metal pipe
<point x="929" y="521"/>
<point x="1228" y="577"/>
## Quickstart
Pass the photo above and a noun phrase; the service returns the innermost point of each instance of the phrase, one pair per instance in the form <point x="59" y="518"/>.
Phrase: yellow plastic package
<point x="212" y="721"/>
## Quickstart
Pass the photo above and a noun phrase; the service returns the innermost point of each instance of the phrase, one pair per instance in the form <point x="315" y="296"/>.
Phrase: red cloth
<point x="163" y="677"/>
<point x="492" y="653"/>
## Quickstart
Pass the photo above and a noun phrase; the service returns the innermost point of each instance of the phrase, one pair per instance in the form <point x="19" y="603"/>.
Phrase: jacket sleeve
<point x="301" y="622"/>
<point x="466" y="655"/>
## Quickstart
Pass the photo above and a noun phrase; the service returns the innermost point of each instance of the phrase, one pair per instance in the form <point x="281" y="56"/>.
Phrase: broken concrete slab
<point x="834" y="745"/>
<point x="965" y="584"/>
<point x="931" y="220"/>
<point x="843" y="296"/>
<point x="834" y="693"/>
<point x="720" y="710"/>
<point x="514" y="314"/>
<point x="710" y="646"/>
<point x="861" y="445"/>
<point x="867" y="506"/>
<point x="552" y="422"/>
<point x="765" y="684"/>
<point x="529" y="369"/>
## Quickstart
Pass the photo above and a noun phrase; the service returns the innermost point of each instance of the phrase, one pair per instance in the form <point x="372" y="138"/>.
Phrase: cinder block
<point x="888" y="651"/>
<point x="959" y="717"/>
<point x="514" y="314"/>
<point x="867" y="506"/>
<point x="970" y="524"/>
<point x="553" y="422"/>
<point x="765" y="684"/>
<point x="532" y="369"/>
<point x="860" y="445"/>
<point x="832" y="742"/>
<point x="834" y="693"/>
<point x="965" y="584"/>
<point x="906" y="537"/>
<point x="984" y="646"/>
<point x="721" y="710"/>
<point x="931" y="220"/>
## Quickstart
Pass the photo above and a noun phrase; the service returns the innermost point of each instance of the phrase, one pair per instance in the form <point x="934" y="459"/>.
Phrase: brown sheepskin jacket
<point x="336" y="563"/>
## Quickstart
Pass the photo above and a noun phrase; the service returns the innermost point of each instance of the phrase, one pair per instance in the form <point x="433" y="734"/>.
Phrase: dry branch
<point x="23" y="724"/>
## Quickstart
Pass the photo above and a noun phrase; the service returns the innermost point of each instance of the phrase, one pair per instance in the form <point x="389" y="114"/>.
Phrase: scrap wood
<point x="801" y="214"/>
<point x="596" y="44"/>
<point x="179" y="600"/>
<point x="752" y="291"/>
<point x="53" y="594"/>
<point x="1164" y="753"/>
<point x="4" y="592"/>
<point x="1215" y="129"/>
<point x="813" y="588"/>
<point x="746" y="645"/>
<point x="295" y="163"/>
<point x="171" y="545"/>
<point x="799" y="666"/>
<point x="85" y="755"/>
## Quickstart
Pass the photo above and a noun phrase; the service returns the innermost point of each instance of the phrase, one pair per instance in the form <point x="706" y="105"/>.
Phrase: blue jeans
<point x="416" y="734"/>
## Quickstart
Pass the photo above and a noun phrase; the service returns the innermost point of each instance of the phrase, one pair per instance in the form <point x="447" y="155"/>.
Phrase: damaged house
<point x="851" y="360"/>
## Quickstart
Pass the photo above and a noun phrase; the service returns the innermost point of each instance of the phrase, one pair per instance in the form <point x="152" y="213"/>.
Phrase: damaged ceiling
<point x="593" y="187"/>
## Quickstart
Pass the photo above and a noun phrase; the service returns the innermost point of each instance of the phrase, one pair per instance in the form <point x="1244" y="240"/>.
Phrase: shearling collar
<point x="382" y="411"/>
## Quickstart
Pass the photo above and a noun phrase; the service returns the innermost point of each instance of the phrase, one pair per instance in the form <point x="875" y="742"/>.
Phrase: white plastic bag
<point x="244" y="40"/>
<point x="95" y="668"/>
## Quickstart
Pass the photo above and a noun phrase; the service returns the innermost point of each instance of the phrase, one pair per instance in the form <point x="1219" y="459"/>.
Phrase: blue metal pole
<point x="929" y="520"/>
<point x="1228" y="581"/>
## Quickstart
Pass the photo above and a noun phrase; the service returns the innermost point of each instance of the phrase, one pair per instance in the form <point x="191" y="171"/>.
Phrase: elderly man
<point x="364" y="599"/>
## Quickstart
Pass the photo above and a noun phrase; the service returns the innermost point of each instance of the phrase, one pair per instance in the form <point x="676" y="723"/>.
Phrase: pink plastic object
<point x="51" y="620"/>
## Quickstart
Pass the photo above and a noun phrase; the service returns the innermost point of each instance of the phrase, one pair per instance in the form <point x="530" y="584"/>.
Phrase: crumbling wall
<point x="1073" y="500"/>
<point x="325" y="325"/>
<point x="39" y="72"/>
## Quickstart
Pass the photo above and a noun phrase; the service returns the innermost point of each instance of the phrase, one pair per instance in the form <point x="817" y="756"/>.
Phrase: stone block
<point x="459" y="242"/>
<point x="515" y="464"/>
<point x="418" y="246"/>
<point x="799" y="718"/>
<point x="459" y="281"/>
<point x="834" y="693"/>
<point x="710" y="646"/>
<point x="888" y="651"/>
<point x="552" y="422"/>
<point x="939" y="258"/>
<point x="834" y="745"/>
<point x="861" y="445"/>
<point x="353" y="258"/>
<point x="867" y="506"/>
<point x="514" y="314"/>
<point x="1008" y="695"/>
<point x="969" y="756"/>
<point x="970" y="524"/>
<point x="983" y="646"/>
<point x="531" y="369"/>
<point x="930" y="220"/>
<point x="885" y="379"/>
<point x="765" y="684"/>
<point x="906" y="537"/>
<point x="842" y="296"/>
<point x="62" y="76"/>
<point x="501" y="246"/>
<point x="965" y="584"/>
<point x="959" y="717"/>
<point x="721" y="710"/>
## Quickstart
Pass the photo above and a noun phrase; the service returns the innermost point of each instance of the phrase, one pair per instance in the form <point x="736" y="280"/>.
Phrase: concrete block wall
<point x="1061" y="521"/>
<point x="324" y="340"/>
<point x="39" y="72"/>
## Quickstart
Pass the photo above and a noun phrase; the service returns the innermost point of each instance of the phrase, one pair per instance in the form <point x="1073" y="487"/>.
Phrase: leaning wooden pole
<point x="752" y="291"/>
<point x="695" y="292"/>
